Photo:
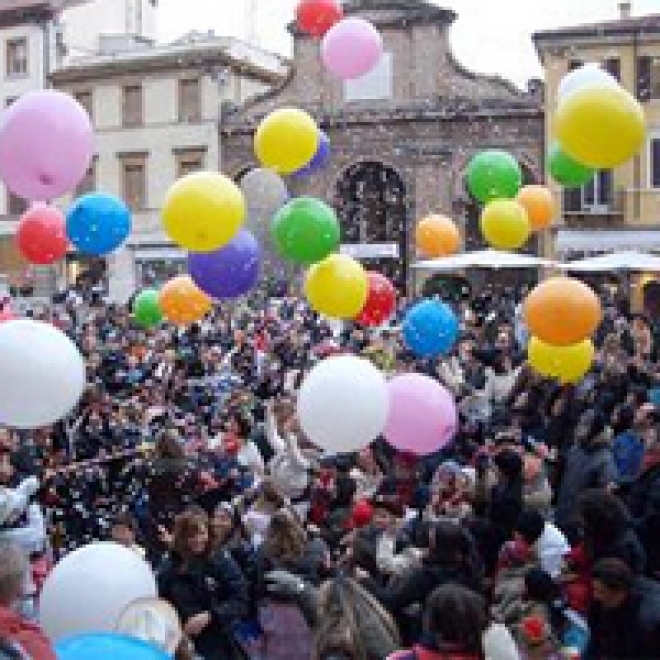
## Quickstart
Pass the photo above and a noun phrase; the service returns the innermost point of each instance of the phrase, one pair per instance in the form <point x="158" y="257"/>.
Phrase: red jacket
<point x="28" y="635"/>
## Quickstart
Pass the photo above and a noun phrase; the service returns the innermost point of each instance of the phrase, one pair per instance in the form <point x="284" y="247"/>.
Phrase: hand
<point x="196" y="624"/>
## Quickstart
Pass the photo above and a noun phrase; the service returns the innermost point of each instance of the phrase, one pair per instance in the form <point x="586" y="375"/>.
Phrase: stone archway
<point x="370" y="199"/>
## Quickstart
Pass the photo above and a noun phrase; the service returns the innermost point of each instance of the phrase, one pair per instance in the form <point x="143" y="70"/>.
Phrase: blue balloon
<point x="107" y="645"/>
<point x="98" y="223"/>
<point x="430" y="329"/>
<point x="320" y="158"/>
<point x="654" y="396"/>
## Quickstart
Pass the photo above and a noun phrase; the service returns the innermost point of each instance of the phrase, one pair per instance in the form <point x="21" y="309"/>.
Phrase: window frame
<point x="12" y="43"/>
<point x="126" y="120"/>
<point x="654" y="136"/>
<point x="183" y="118"/>
<point x="133" y="160"/>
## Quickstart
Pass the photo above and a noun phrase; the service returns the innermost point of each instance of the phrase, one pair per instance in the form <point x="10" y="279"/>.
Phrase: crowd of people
<point x="532" y="535"/>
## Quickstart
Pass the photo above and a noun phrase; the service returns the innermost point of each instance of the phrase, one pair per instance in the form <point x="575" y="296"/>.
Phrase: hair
<point x="243" y="423"/>
<point x="450" y="545"/>
<point x="530" y="526"/>
<point x="270" y="494"/>
<point x="168" y="447"/>
<point x="614" y="574"/>
<point x="125" y="520"/>
<point x="604" y="516"/>
<point x="187" y="525"/>
<point x="13" y="568"/>
<point x="285" y="538"/>
<point x="456" y="615"/>
<point x="339" y="633"/>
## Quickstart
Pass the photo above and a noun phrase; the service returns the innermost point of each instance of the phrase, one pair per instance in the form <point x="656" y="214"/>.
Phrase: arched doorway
<point x="371" y="204"/>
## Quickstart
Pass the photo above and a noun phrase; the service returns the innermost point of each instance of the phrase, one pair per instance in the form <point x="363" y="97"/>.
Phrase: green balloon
<point x="566" y="171"/>
<point x="306" y="231"/>
<point x="146" y="309"/>
<point x="494" y="175"/>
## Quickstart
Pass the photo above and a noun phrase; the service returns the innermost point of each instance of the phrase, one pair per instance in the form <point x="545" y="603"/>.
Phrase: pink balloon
<point x="351" y="48"/>
<point x="6" y="313"/>
<point x="46" y="145"/>
<point x="423" y="416"/>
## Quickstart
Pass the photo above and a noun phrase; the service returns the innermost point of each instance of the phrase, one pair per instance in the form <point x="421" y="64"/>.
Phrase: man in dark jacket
<point x="625" y="616"/>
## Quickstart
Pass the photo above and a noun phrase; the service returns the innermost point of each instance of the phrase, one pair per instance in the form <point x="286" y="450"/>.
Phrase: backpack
<point x="628" y="453"/>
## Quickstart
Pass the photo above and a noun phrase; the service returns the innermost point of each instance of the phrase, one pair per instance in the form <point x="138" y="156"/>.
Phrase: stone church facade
<point x="402" y="137"/>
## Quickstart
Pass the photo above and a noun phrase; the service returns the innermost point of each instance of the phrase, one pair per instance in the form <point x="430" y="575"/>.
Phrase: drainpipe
<point x="637" y="163"/>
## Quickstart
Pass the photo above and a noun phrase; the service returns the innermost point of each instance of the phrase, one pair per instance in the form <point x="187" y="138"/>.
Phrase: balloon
<point x="98" y="223"/>
<point x="602" y="127"/>
<point x="494" y="175"/>
<point x="316" y="17"/>
<point x="343" y="404"/>
<point x="182" y="302"/>
<point x="43" y="374"/>
<point x="306" y="230"/>
<point x="539" y="205"/>
<point x="41" y="235"/>
<point x="6" y="313"/>
<point x="89" y="589"/>
<point x="46" y="145"/>
<point x="568" y="364"/>
<point x="562" y="311"/>
<point x="423" y="416"/>
<point x="351" y="48"/>
<point x="203" y="211"/>
<point x="430" y="329"/>
<point x="229" y="272"/>
<point x="381" y="301"/>
<point x="566" y="171"/>
<point x="437" y="236"/>
<point x="320" y="159"/>
<point x="107" y="645"/>
<point x="584" y="77"/>
<point x="505" y="225"/>
<point x="265" y="193"/>
<point x="286" y="140"/>
<point x="146" y="309"/>
<point x="337" y="287"/>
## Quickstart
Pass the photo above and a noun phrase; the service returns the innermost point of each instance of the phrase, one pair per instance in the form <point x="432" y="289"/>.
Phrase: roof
<point x="621" y="27"/>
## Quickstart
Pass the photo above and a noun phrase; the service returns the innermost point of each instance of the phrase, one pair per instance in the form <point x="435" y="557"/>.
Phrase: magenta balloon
<point x="351" y="48"/>
<point x="46" y="145"/>
<point x="423" y="417"/>
<point x="230" y="271"/>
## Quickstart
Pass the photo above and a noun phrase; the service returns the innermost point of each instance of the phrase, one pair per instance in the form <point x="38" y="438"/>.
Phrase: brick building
<point x="402" y="136"/>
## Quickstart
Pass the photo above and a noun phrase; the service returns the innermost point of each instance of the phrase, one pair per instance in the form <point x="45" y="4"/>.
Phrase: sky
<point x="490" y="36"/>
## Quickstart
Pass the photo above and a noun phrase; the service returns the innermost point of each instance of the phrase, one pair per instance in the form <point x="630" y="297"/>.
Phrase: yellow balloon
<point x="568" y="364"/>
<point x="602" y="127"/>
<point x="337" y="287"/>
<point x="286" y="140"/>
<point x="203" y="211"/>
<point x="505" y="224"/>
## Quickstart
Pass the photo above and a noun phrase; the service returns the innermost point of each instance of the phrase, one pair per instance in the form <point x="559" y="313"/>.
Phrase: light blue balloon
<point x="98" y="223"/>
<point x="430" y="329"/>
<point x="107" y="645"/>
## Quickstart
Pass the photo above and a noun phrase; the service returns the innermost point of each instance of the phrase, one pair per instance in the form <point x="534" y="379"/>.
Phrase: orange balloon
<point x="182" y="302"/>
<point x="437" y="236"/>
<point x="562" y="311"/>
<point x="539" y="204"/>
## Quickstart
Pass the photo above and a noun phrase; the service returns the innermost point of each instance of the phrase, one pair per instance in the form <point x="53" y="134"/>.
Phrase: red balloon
<point x="381" y="301"/>
<point x="41" y="235"/>
<point x="316" y="17"/>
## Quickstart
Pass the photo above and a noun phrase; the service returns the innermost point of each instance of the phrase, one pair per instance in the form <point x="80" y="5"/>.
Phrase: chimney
<point x="625" y="9"/>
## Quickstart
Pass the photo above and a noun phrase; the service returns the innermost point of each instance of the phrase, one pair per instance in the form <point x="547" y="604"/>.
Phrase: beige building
<point x="621" y="209"/>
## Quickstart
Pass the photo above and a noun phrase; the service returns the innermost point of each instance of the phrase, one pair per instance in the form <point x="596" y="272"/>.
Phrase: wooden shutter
<point x="613" y="67"/>
<point x="644" y="78"/>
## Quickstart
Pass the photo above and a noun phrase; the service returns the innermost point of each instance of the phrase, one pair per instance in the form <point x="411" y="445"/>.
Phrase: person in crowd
<point x="547" y="542"/>
<point x="124" y="532"/>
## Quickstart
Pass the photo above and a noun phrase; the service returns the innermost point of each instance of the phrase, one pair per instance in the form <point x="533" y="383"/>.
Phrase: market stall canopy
<point x="489" y="259"/>
<point x="627" y="261"/>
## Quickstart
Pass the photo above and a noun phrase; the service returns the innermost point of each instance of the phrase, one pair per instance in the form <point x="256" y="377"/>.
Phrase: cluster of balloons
<point x="511" y="211"/>
<point x="345" y="403"/>
<point x="562" y="315"/>
<point x="598" y="124"/>
<point x="437" y="236"/>
<point x="350" y="46"/>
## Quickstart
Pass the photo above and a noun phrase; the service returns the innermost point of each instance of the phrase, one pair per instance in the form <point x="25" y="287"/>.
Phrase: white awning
<point x="606" y="240"/>
<point x="629" y="261"/>
<point x="490" y="259"/>
<point x="371" y="250"/>
<point x="156" y="253"/>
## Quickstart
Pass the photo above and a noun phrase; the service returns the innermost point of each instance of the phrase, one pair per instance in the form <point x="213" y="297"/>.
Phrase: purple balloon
<point x="320" y="159"/>
<point x="351" y="48"/>
<point x="423" y="416"/>
<point x="230" y="271"/>
<point x="46" y="145"/>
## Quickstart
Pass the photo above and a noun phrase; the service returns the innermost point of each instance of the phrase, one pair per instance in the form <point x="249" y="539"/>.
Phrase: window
<point x="613" y="66"/>
<point x="190" y="99"/>
<point x="188" y="161"/>
<point x="375" y="86"/>
<point x="655" y="78"/>
<point x="10" y="101"/>
<point x="654" y="161"/>
<point x="17" y="58"/>
<point x="86" y="100"/>
<point x="16" y="205"/>
<point x="134" y="181"/>
<point x="648" y="78"/>
<point x="595" y="197"/>
<point x="88" y="184"/>
<point x="132" y="106"/>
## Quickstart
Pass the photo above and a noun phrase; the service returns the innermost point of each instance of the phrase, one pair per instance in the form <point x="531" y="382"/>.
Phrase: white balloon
<point x="90" y="589"/>
<point x="265" y="193"/>
<point x="588" y="75"/>
<point x="343" y="404"/>
<point x="42" y="374"/>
